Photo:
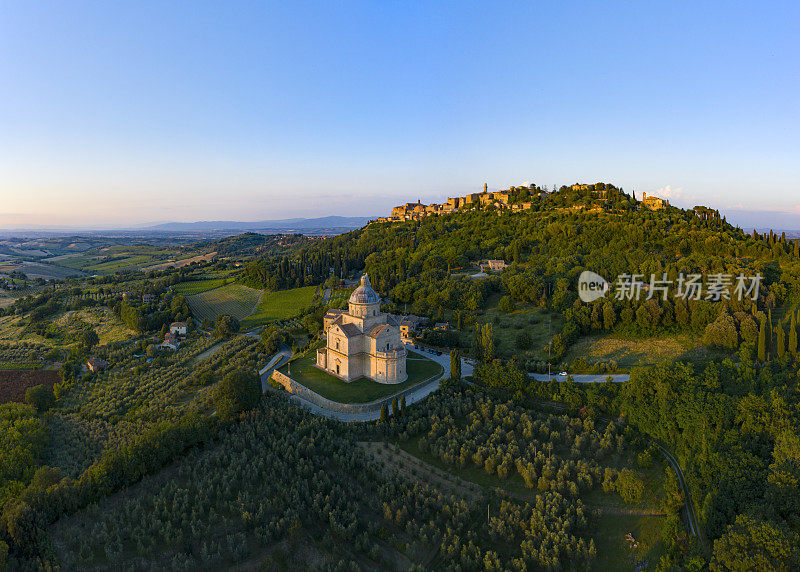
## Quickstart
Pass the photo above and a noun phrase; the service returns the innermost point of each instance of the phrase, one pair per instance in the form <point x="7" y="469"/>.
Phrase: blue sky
<point x="122" y="113"/>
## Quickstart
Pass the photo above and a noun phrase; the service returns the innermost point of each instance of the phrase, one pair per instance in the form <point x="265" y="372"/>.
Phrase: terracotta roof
<point x="96" y="362"/>
<point x="350" y="330"/>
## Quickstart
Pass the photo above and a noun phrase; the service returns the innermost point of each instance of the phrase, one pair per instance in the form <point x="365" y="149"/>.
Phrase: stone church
<point x="363" y="341"/>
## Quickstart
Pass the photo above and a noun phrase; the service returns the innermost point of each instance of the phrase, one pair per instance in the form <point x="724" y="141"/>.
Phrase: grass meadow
<point x="632" y="352"/>
<point x="279" y="306"/>
<point x="211" y="298"/>
<point x="362" y="390"/>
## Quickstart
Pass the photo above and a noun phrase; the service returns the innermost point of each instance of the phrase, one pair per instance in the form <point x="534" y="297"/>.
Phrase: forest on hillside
<point x="733" y="422"/>
<point x="731" y="418"/>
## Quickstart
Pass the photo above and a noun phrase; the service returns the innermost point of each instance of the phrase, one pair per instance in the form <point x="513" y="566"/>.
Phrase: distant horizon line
<point x="737" y="214"/>
<point x="147" y="225"/>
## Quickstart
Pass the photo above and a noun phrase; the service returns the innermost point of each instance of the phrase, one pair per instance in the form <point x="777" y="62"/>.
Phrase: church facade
<point x="363" y="341"/>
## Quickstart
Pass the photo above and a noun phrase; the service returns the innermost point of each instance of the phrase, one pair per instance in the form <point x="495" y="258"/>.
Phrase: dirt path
<point x="419" y="470"/>
<point x="208" y="353"/>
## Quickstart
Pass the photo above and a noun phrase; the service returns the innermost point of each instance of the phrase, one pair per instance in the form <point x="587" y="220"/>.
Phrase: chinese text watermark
<point x="716" y="287"/>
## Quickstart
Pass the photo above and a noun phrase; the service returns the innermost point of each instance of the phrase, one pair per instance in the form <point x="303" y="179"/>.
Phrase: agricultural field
<point x="181" y="262"/>
<point x="126" y="263"/>
<point x="14" y="382"/>
<point x="76" y="261"/>
<point x="199" y="286"/>
<point x="233" y="299"/>
<point x="109" y="259"/>
<point x="108" y="326"/>
<point x="5" y="299"/>
<point x="12" y="329"/>
<point x="522" y="454"/>
<point x="22" y="355"/>
<point x="280" y="305"/>
<point x="35" y="270"/>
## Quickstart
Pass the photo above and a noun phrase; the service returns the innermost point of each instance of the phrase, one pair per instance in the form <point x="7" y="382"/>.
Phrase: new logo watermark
<point x="591" y="286"/>
<point x="716" y="287"/>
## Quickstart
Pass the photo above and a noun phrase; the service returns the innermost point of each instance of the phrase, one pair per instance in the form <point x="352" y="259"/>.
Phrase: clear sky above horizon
<point x="118" y="113"/>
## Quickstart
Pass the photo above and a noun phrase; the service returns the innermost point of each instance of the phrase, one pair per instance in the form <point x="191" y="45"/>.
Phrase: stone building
<point x="654" y="203"/>
<point x="363" y="341"/>
<point x="178" y="328"/>
<point x="493" y="265"/>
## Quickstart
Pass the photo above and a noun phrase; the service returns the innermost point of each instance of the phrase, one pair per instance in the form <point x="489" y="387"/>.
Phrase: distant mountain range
<point x="300" y="225"/>
<point x="764" y="220"/>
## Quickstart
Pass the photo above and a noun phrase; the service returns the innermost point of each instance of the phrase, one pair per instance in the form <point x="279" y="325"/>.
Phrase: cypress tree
<point x="384" y="413"/>
<point x="770" y="333"/>
<point x="793" y="336"/>
<point x="762" y="340"/>
<point x="780" y="349"/>
<point x="402" y="403"/>
<point x="487" y="342"/>
<point x="394" y="406"/>
<point x="455" y="364"/>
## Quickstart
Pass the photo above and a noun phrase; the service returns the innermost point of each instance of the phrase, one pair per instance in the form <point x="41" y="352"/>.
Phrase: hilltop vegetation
<point x="751" y="374"/>
<point x="720" y="390"/>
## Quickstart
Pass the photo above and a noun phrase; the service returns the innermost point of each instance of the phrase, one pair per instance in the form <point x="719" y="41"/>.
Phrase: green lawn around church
<point x="362" y="390"/>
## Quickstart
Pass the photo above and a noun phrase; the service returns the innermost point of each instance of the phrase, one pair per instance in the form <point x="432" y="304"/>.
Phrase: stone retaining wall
<point x="296" y="388"/>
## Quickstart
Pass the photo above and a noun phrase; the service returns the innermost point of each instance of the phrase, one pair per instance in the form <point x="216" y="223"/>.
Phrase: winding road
<point x="277" y="361"/>
<point x="690" y="516"/>
<point x="416" y="396"/>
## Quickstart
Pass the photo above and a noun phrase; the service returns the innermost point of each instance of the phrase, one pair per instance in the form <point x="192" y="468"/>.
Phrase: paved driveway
<point x="443" y="360"/>
<point x="416" y="396"/>
<point x="277" y="360"/>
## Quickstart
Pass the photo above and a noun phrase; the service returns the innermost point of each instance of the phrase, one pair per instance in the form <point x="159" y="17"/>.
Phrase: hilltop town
<point x="515" y="199"/>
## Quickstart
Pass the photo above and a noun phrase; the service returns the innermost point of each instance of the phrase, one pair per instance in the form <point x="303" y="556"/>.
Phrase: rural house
<point x="95" y="364"/>
<point x="493" y="265"/>
<point x="178" y="328"/>
<point x="171" y="342"/>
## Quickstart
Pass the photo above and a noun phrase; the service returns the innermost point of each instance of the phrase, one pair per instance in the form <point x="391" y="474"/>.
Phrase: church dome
<point x="364" y="294"/>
